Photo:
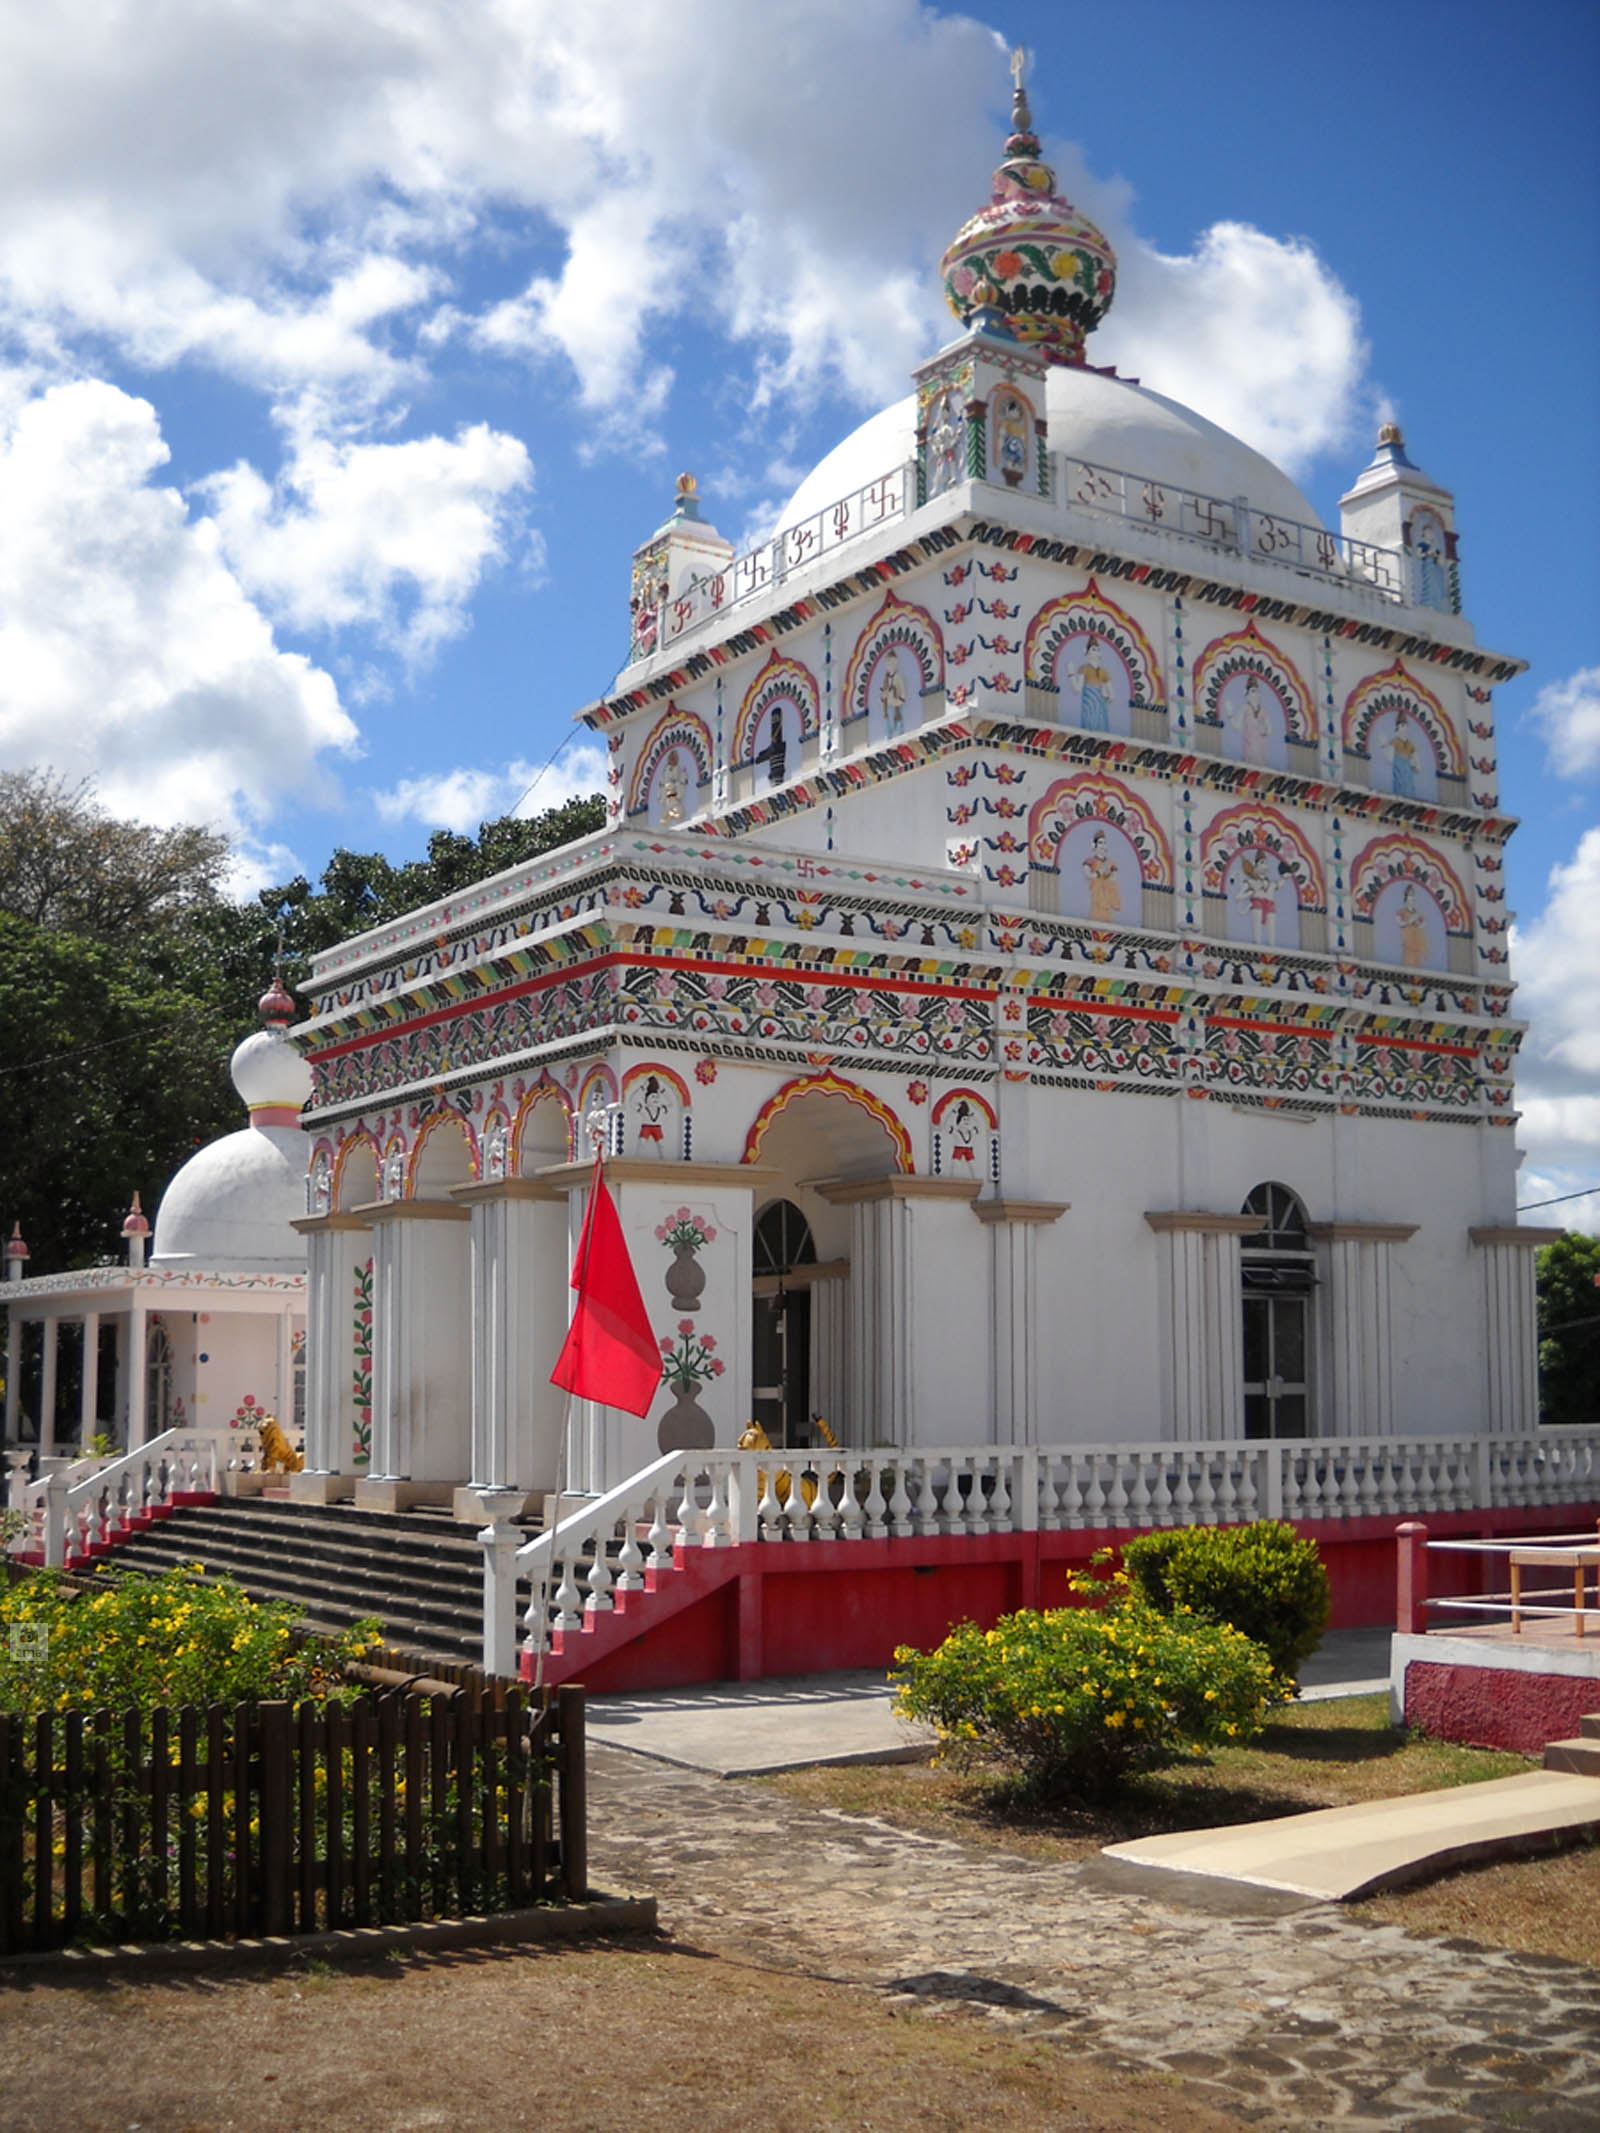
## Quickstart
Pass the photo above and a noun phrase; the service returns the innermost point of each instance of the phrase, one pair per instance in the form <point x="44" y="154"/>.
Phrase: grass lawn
<point x="1313" y="1755"/>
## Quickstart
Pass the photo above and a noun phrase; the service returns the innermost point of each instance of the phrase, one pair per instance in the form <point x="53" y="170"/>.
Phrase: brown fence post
<point x="277" y="1852"/>
<point x="1411" y="1579"/>
<point x="574" y="1787"/>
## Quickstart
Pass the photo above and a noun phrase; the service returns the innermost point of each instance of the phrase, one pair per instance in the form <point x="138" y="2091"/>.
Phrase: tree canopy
<point x="68" y="866"/>
<point x="1569" y="1329"/>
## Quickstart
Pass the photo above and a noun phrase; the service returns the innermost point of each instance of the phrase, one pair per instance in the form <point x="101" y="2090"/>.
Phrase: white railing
<point x="67" y="1517"/>
<point x="889" y="497"/>
<point x="1233" y="527"/>
<point x="721" y="1499"/>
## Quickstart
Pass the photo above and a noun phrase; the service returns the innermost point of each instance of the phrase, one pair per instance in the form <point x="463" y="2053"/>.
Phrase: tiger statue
<point x="278" y="1455"/>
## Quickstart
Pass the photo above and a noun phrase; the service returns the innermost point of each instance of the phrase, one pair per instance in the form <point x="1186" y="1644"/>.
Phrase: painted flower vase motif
<point x="687" y="1363"/>
<point x="685" y="1427"/>
<point x="686" y="1279"/>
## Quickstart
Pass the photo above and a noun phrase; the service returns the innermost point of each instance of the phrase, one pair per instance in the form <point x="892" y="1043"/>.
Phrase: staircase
<point x="1581" y="1756"/>
<point x="420" y="1571"/>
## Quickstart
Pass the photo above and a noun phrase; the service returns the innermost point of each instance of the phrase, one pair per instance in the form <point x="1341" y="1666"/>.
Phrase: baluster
<point x="1139" y="1493"/>
<point x="927" y="1503"/>
<point x="1159" y="1509"/>
<point x="1094" y="1495"/>
<point x="900" y="1500"/>
<point x="630" y="1563"/>
<point x="1181" y="1508"/>
<point x="825" y="1518"/>
<point x="1000" y="1520"/>
<point x="715" y="1532"/>
<point x="769" y="1512"/>
<point x="1117" y="1494"/>
<point x="958" y="1513"/>
<point x="599" y="1580"/>
<point x="535" y="1623"/>
<point x="568" y="1597"/>
<point x="1049" y="1495"/>
<point x="875" y="1509"/>
<point x="850" y="1509"/>
<point x="660" y="1533"/>
<point x="688" y="1512"/>
<point x="1223" y="1500"/>
<point x="796" y="1510"/>
<point x="1204" y="1486"/>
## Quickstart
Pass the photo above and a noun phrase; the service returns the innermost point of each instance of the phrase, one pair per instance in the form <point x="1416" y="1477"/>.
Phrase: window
<point x="1277" y="1279"/>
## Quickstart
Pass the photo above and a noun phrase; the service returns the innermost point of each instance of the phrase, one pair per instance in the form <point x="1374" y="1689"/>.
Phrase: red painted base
<point x="1493" y="1707"/>
<point x="816" y="1607"/>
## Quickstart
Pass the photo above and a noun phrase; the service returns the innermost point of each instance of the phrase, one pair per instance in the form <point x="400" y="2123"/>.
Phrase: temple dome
<point x="230" y="1207"/>
<point x="1110" y="421"/>
<point x="1031" y="256"/>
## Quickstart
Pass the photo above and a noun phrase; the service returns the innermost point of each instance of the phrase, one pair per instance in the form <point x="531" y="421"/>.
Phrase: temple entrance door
<point x="781" y="1330"/>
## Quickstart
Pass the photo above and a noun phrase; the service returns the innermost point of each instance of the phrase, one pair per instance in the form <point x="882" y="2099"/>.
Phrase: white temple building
<point x="208" y="1336"/>
<point x="1043" y="976"/>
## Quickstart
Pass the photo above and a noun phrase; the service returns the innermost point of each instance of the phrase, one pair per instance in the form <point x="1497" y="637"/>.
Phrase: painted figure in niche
<point x="673" y="787"/>
<point x="892" y="692"/>
<point x="1011" y="443"/>
<point x="1255" y="735"/>
<point x="1093" y="679"/>
<point x="1433" y="585"/>
<point x="944" y="447"/>
<point x="964" y="1139"/>
<point x="320" y="1193"/>
<point x="1402" y="759"/>
<point x="777" y="752"/>
<point x="496" y="1146"/>
<point x="1255" y="890"/>
<point x="652" y="1111"/>
<point x="1100" y="872"/>
<point x="394" y="1174"/>
<point x="1413" y="930"/>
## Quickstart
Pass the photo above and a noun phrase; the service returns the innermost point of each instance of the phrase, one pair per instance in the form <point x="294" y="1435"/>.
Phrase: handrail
<point x="71" y="1518"/>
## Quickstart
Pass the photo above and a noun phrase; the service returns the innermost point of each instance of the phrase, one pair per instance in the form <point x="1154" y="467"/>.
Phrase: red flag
<point x="610" y="1353"/>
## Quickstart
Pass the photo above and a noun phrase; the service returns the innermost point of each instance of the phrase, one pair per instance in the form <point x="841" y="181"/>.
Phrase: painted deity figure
<point x="777" y="754"/>
<point x="1100" y="872"/>
<point x="394" y="1174"/>
<point x="944" y="447"/>
<point x="319" y="1188"/>
<point x="892" y="692"/>
<point x="1402" y="759"/>
<point x="1094" y="686"/>
<point x="1255" y="733"/>
<point x="1257" y="894"/>
<point x="496" y="1148"/>
<point x="1011" y="443"/>
<point x="1432" y="584"/>
<point x="1413" y="930"/>
<point x="652" y="1111"/>
<point x="964" y="1140"/>
<point x="673" y="787"/>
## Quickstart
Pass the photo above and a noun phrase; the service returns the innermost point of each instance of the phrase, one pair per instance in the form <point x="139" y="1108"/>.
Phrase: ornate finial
<point x="275" y="1006"/>
<point x="16" y="1253"/>
<point x="1021" y="116"/>
<point x="1390" y="434"/>
<point x="687" y="499"/>
<point x="136" y="1223"/>
<point x="687" y="485"/>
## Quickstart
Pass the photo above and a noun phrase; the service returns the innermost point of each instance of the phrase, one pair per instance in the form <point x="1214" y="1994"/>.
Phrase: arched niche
<point x="355" y="1174"/>
<point x="444" y="1156"/>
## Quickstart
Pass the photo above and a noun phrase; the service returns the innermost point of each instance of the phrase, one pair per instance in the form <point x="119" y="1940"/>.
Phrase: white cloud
<point x="271" y="190"/>
<point x="1556" y="962"/>
<point x="1569" y="713"/>
<point x="461" y="799"/>
<point x="128" y="649"/>
<point x="391" y="536"/>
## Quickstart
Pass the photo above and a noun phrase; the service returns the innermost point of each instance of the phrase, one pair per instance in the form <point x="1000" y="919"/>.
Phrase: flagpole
<point x="597" y="1133"/>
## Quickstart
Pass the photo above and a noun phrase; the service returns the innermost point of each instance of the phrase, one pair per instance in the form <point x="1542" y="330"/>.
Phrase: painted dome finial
<point x="16" y="1254"/>
<point x="275" y="1007"/>
<point x="1050" y="273"/>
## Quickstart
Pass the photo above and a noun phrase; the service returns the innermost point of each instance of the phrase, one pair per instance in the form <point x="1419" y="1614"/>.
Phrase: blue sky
<point x="346" y="354"/>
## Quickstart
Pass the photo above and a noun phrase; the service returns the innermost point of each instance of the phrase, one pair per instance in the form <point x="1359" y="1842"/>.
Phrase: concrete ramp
<point x="1336" y="1853"/>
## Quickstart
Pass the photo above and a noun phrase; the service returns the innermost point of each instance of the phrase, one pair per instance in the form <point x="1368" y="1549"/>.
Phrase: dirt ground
<point x="588" y="2039"/>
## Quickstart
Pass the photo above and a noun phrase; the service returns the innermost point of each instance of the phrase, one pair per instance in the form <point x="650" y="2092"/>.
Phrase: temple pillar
<point x="1357" y="1375"/>
<point x="1203" y="1321"/>
<point x="1510" y="1320"/>
<point x="421" y="1361"/>
<point x="518" y="1231"/>
<point x="14" y="1347"/>
<point x="1013" y="1226"/>
<point x="337" y="1250"/>
<point x="49" y="1329"/>
<point x="89" y="1381"/>
<point x="830" y="1346"/>
<point x="137" y="1374"/>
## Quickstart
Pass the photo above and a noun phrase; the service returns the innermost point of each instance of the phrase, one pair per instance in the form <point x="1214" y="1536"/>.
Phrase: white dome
<point x="269" y="1073"/>
<point x="1110" y="421"/>
<point x="229" y="1208"/>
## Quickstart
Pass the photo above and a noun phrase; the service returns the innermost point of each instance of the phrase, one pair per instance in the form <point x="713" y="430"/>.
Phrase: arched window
<point x="158" y="1380"/>
<point x="781" y="1329"/>
<point x="1278" y="1278"/>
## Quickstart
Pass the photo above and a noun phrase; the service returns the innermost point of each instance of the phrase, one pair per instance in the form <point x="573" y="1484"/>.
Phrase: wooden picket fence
<point x="272" y="1819"/>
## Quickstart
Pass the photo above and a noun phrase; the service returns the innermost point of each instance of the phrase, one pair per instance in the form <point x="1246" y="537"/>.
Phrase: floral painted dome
<point x="1052" y="273"/>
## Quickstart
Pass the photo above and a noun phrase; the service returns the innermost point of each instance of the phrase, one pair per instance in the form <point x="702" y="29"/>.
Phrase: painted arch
<point x="829" y="1084"/>
<point x="1397" y="693"/>
<point x="339" y="1185"/>
<point x="908" y="632"/>
<point x="432" y="1128"/>
<point x="782" y="685"/>
<point x="677" y="729"/>
<point x="1398" y="857"/>
<point x="1072" y="621"/>
<point x="543" y="1091"/>
<point x="1263" y="831"/>
<point x="1093" y="797"/>
<point x="1231" y="676"/>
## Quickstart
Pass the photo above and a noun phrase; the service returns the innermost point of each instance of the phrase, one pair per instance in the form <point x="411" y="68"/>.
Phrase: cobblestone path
<point x="1302" y="2020"/>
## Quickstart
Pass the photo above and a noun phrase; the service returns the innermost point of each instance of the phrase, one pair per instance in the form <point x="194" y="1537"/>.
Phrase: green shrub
<point x="1078" y="1699"/>
<point x="1262" y="1579"/>
<point x="140" y="1641"/>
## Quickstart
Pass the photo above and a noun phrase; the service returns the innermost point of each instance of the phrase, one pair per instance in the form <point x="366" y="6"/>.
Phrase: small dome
<point x="229" y="1208"/>
<point x="1109" y="421"/>
<point x="270" y="1075"/>
<point x="1031" y="256"/>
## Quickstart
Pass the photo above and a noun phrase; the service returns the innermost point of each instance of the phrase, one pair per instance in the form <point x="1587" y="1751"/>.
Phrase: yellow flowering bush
<point x="1262" y="1578"/>
<point x="136" y="1641"/>
<point x="1075" y="1700"/>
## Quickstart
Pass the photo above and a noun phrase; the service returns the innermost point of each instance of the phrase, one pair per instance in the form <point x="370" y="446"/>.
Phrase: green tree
<point x="1569" y="1329"/>
<point x="68" y="866"/>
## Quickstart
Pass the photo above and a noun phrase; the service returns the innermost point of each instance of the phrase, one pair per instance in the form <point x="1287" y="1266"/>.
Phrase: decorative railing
<point x="722" y="1499"/>
<point x="1233" y="527"/>
<point x="68" y="1518"/>
<point x="891" y="496"/>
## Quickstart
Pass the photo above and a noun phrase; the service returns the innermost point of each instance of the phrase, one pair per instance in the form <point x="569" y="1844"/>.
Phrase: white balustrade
<point x="92" y="1503"/>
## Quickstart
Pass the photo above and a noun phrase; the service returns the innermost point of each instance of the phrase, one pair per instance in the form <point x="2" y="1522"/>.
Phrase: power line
<point x="1526" y="1207"/>
<point x="566" y="740"/>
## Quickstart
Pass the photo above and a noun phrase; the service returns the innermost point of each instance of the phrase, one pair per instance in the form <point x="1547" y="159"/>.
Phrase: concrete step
<point x="345" y="1598"/>
<point x="1581" y="1756"/>
<point x="1589" y="1726"/>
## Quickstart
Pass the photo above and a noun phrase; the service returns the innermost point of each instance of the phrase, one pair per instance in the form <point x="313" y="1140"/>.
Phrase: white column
<point x="89" y="1390"/>
<point x="421" y="1371"/>
<point x="49" y="1329"/>
<point x="1510" y="1325"/>
<point x="830" y="1349"/>
<point x="880" y="1321"/>
<point x="1357" y="1379"/>
<point x="519" y="1288"/>
<point x="1014" y="1302"/>
<point x="14" y="1346"/>
<point x="134" y="1366"/>
<point x="1204" y="1333"/>
<point x="335" y="1246"/>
